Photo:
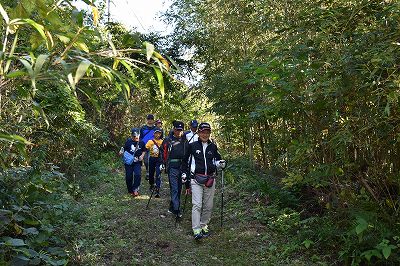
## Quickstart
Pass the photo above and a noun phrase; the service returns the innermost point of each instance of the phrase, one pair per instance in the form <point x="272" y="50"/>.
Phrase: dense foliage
<point x="310" y="89"/>
<point x="71" y="87"/>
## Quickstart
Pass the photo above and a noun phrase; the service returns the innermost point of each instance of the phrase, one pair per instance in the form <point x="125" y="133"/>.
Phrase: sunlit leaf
<point x="80" y="72"/>
<point x="63" y="39"/>
<point x="39" y="64"/>
<point x="149" y="50"/>
<point x="4" y="14"/>
<point x="160" y="79"/>
<point x="82" y="46"/>
<point x="95" y="12"/>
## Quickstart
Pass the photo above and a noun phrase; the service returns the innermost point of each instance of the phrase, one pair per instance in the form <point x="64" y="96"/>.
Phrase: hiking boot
<point x="135" y="194"/>
<point x="197" y="234"/>
<point x="205" y="232"/>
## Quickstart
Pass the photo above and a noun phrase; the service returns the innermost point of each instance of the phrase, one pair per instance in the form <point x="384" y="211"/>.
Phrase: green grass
<point x="116" y="229"/>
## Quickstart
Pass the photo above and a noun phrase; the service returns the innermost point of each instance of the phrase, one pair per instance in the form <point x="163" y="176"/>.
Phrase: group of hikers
<point x="189" y="158"/>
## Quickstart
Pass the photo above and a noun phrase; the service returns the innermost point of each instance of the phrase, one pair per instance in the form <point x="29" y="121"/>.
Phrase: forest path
<point x="117" y="229"/>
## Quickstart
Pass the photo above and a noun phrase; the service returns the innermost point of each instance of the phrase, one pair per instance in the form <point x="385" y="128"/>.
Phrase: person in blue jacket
<point x="146" y="134"/>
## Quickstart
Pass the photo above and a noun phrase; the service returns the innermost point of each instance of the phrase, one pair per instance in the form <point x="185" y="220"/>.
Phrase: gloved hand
<point x="135" y="159"/>
<point x="221" y="164"/>
<point x="184" y="178"/>
<point x="162" y="167"/>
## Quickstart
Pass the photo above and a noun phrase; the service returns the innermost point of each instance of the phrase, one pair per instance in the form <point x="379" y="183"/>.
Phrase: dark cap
<point x="194" y="123"/>
<point x="204" y="126"/>
<point x="158" y="121"/>
<point x="150" y="116"/>
<point x="178" y="125"/>
<point x="135" y="132"/>
<point x="158" y="130"/>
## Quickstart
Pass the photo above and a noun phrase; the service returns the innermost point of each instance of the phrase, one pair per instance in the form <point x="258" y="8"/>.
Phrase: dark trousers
<point x="133" y="176"/>
<point x="146" y="162"/>
<point x="154" y="168"/>
<point x="175" y="185"/>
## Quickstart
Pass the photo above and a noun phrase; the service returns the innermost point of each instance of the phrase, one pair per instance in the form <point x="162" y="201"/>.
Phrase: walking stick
<point x="222" y="196"/>
<point x="184" y="204"/>
<point x="151" y="195"/>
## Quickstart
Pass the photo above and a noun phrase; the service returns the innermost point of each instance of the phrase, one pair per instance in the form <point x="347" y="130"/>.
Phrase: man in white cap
<point x="191" y="135"/>
<point x="199" y="168"/>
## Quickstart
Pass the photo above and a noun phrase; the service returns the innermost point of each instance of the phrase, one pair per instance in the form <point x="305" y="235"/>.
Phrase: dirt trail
<point x="119" y="230"/>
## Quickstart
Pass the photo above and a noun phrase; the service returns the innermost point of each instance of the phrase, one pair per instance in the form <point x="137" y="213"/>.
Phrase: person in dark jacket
<point x="133" y="172"/>
<point x="173" y="150"/>
<point x="201" y="163"/>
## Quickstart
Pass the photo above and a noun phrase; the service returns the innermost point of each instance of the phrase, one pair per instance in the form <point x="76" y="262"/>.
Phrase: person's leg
<point x="158" y="174"/>
<point x="146" y="163"/>
<point x="152" y="169"/>
<point x="129" y="177"/>
<point x="208" y="200"/>
<point x="137" y="168"/>
<point x="197" y="199"/>
<point x="174" y="186"/>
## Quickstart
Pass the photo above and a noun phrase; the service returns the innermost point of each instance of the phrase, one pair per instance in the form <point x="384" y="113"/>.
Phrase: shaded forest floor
<point x="114" y="228"/>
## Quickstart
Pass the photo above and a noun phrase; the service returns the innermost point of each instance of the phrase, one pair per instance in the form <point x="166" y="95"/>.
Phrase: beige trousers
<point x="202" y="201"/>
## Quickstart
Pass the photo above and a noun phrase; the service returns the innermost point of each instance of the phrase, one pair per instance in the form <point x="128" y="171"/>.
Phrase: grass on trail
<point x="116" y="229"/>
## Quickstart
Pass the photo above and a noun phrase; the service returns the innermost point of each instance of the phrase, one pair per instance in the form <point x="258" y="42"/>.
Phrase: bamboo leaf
<point x="149" y="50"/>
<point x="28" y="66"/>
<point x="82" y="46"/>
<point x="163" y="60"/>
<point x="39" y="64"/>
<point x="39" y="29"/>
<point x="4" y="14"/>
<point x="14" y="138"/>
<point x="80" y="72"/>
<point x="95" y="12"/>
<point x="160" y="79"/>
<point x="17" y="73"/>
<point x="11" y="53"/>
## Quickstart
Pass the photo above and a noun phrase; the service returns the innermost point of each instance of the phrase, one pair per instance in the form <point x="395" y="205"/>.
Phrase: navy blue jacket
<point x="201" y="162"/>
<point x="134" y="148"/>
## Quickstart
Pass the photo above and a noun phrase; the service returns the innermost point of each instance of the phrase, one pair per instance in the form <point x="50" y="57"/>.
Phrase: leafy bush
<point x="32" y="211"/>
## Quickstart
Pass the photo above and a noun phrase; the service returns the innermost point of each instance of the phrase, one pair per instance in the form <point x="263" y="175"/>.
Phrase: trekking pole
<point x="151" y="195"/>
<point x="222" y="196"/>
<point x="184" y="204"/>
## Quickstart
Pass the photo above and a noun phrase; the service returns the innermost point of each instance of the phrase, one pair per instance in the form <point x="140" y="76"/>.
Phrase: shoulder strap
<point x="155" y="143"/>
<point x="192" y="137"/>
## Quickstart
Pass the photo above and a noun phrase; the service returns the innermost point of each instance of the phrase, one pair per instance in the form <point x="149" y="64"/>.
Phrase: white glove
<point x="135" y="159"/>
<point x="162" y="167"/>
<point x="183" y="178"/>
<point x="221" y="164"/>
